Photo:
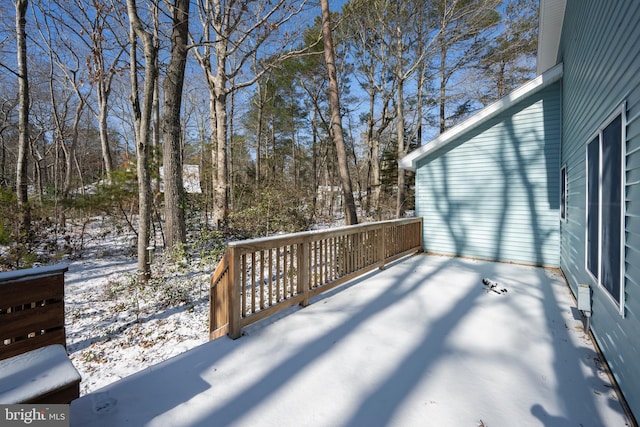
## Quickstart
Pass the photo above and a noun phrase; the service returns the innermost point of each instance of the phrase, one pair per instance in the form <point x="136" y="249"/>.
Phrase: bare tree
<point x="23" y="118"/>
<point x="174" y="196"/>
<point x="336" y="118"/>
<point x="462" y="23"/>
<point x="236" y="29"/>
<point x="142" y="114"/>
<point x="365" y="34"/>
<point x="94" y="26"/>
<point x="509" y="60"/>
<point x="66" y="139"/>
<point x="404" y="37"/>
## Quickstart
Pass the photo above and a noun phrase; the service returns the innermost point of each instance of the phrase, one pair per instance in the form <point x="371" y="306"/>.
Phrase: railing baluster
<point x="303" y="255"/>
<point x="285" y="290"/>
<point x="270" y="277"/>
<point x="317" y="264"/>
<point x="278" y="276"/>
<point x="253" y="282"/>
<point x="262" y="281"/>
<point x="243" y="272"/>
<point x="323" y="265"/>
<point x="335" y="257"/>
<point x="356" y="251"/>
<point x="351" y="252"/>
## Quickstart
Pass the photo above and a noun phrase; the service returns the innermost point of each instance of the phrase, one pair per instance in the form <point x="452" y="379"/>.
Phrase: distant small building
<point x="190" y="178"/>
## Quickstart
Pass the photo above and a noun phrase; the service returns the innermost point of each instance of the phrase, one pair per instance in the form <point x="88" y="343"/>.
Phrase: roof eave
<point x="549" y="33"/>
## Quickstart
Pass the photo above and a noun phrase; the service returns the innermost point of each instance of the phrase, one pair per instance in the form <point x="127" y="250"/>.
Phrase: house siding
<point x="600" y="50"/>
<point x="494" y="193"/>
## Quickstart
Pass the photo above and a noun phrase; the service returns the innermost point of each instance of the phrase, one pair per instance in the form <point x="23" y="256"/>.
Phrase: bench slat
<point x="19" y="347"/>
<point x="21" y="323"/>
<point x="28" y="291"/>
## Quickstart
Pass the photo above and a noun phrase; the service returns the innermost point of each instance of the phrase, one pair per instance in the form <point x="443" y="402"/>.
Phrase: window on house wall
<point x="605" y="209"/>
<point x="593" y="202"/>
<point x="563" y="193"/>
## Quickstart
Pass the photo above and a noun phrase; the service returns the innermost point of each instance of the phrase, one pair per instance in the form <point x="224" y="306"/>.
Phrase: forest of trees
<point x="280" y="105"/>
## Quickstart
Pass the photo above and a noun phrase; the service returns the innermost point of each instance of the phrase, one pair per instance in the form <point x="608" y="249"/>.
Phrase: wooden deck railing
<point x="257" y="278"/>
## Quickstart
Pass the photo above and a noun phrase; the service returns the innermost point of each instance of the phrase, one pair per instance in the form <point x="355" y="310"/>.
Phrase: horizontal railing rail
<point x="260" y="277"/>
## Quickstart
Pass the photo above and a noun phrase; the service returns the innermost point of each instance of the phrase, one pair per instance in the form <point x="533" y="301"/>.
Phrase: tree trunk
<point x="314" y="160"/>
<point x="143" y="132"/>
<point x="259" y="136"/>
<point x="272" y="156"/>
<point x="214" y="147"/>
<point x="401" y="194"/>
<point x="336" y="119"/>
<point x="174" y="197"/>
<point x="400" y="200"/>
<point x="443" y="88"/>
<point x="70" y="154"/>
<point x="220" y="182"/>
<point x="230" y="155"/>
<point x="23" y="119"/>
<point x="501" y="77"/>
<point x="157" y="136"/>
<point x="156" y="142"/>
<point x="373" y="142"/>
<point x="103" y="130"/>
<point x="294" y="149"/>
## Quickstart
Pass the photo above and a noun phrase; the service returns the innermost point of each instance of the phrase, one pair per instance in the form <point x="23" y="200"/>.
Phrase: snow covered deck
<point x="420" y="343"/>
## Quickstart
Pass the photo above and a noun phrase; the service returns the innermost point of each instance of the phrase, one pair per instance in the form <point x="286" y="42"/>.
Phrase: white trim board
<point x="549" y="33"/>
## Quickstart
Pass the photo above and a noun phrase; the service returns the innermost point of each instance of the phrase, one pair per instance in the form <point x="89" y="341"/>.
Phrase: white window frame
<point x="564" y="193"/>
<point x="620" y="111"/>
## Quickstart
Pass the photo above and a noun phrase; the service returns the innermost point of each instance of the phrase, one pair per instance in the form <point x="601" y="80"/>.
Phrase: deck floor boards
<point x="422" y="343"/>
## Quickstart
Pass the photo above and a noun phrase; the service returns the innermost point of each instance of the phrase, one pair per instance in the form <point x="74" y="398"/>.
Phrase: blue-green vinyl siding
<point x="600" y="50"/>
<point x="495" y="192"/>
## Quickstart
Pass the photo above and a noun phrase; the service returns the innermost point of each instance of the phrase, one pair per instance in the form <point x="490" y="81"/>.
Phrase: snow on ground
<point x="114" y="326"/>
<point x="423" y="342"/>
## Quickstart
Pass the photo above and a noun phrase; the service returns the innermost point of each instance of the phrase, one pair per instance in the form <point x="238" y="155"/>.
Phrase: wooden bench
<point x="34" y="366"/>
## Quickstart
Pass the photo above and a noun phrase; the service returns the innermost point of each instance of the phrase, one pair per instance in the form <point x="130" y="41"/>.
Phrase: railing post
<point x="218" y="300"/>
<point x="304" y="282"/>
<point x="234" y="294"/>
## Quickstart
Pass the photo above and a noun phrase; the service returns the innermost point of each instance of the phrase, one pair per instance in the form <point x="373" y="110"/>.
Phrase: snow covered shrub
<point x="8" y="216"/>
<point x="118" y="201"/>
<point x="174" y="295"/>
<point x="39" y="246"/>
<point x="180" y="257"/>
<point x="5" y="234"/>
<point x="112" y="289"/>
<point x="210" y="245"/>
